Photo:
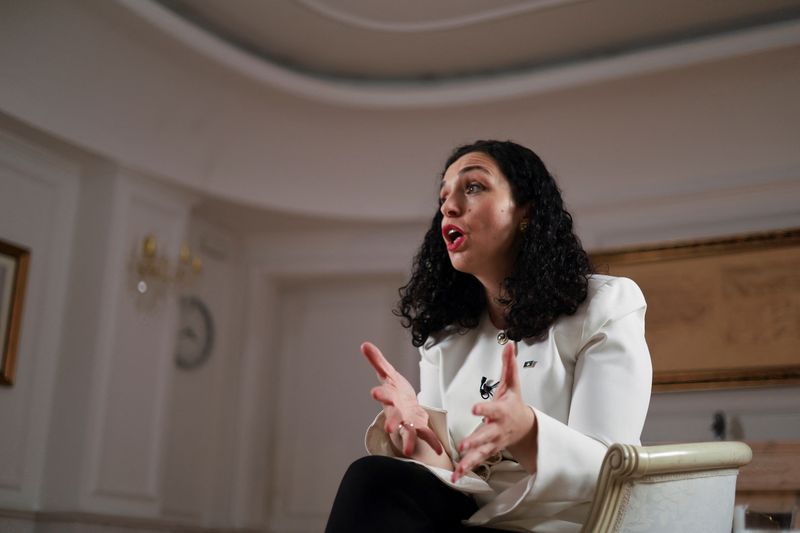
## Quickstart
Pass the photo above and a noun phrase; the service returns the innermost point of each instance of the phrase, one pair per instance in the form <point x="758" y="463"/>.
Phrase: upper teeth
<point x="452" y="234"/>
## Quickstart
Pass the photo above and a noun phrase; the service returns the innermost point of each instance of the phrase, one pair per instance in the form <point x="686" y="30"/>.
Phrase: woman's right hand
<point x="405" y="418"/>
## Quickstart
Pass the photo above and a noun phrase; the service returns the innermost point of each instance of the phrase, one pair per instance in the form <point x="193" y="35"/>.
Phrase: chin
<point x="460" y="264"/>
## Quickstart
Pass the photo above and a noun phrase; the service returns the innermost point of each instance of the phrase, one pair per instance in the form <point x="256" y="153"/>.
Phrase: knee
<point x="366" y="463"/>
<point x="368" y="472"/>
<point x="369" y="493"/>
<point x="377" y="474"/>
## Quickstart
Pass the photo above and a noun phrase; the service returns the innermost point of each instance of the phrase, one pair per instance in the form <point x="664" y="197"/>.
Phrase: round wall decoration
<point x="195" y="333"/>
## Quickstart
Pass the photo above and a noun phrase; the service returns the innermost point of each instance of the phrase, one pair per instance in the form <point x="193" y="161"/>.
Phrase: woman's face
<point x="480" y="223"/>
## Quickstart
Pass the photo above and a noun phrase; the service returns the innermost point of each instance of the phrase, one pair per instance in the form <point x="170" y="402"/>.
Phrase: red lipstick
<point x="453" y="236"/>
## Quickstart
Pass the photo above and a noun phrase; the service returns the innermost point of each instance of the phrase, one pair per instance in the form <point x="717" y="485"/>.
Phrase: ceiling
<point x="425" y="41"/>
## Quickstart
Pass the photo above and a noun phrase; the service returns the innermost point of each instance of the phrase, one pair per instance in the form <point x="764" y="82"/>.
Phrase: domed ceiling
<point x="344" y="108"/>
<point x="445" y="40"/>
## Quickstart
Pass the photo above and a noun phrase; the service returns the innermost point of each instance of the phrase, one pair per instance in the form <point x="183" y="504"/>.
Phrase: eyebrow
<point x="465" y="170"/>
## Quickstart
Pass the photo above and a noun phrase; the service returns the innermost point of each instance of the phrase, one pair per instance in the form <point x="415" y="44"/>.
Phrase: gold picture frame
<point x="13" y="278"/>
<point x="722" y="313"/>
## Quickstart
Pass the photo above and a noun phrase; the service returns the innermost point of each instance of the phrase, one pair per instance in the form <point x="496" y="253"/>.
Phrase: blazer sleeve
<point x="610" y="397"/>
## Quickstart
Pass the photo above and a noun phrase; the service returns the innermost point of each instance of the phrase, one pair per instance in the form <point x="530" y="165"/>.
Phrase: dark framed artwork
<point x="722" y="313"/>
<point x="13" y="277"/>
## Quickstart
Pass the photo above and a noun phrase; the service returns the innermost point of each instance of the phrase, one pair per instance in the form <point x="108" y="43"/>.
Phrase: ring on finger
<point x="405" y="425"/>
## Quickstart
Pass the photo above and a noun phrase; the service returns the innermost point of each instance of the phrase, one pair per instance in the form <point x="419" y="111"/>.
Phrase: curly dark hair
<point x="550" y="274"/>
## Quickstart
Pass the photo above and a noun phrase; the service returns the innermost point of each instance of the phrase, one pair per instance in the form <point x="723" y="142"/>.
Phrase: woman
<point x="531" y="365"/>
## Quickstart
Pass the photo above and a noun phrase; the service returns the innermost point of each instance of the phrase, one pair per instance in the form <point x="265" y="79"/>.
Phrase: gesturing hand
<point x="402" y="412"/>
<point x="508" y="421"/>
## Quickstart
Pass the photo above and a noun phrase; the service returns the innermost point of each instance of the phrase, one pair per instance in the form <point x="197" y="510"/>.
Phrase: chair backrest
<point x="677" y="487"/>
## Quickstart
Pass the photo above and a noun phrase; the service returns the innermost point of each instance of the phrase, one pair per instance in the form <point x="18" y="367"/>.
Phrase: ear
<point x="527" y="209"/>
<point x="525" y="212"/>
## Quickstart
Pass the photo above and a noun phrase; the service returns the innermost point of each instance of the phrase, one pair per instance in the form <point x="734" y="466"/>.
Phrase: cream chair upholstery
<point x="678" y="487"/>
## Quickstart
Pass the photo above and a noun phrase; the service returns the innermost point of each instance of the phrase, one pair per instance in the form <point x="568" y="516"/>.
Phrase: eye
<point x="473" y="188"/>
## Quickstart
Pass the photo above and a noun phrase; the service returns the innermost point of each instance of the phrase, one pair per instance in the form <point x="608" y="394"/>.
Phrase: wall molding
<point x="754" y="401"/>
<point x="139" y="205"/>
<point x="473" y="90"/>
<point x="57" y="180"/>
<point x="277" y="261"/>
<point x="708" y="213"/>
<point x="482" y="15"/>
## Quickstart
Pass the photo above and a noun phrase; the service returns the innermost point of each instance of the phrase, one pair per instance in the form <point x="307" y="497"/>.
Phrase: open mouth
<point x="453" y="236"/>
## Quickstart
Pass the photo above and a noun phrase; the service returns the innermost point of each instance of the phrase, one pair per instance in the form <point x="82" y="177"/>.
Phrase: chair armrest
<point x="625" y="463"/>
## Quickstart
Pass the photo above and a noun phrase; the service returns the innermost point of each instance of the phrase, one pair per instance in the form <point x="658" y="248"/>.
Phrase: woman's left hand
<point x="508" y="424"/>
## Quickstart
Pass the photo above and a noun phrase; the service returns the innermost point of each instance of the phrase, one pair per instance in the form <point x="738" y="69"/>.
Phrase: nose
<point x="451" y="206"/>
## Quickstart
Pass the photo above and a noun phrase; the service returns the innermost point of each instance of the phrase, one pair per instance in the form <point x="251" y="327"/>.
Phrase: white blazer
<point x="588" y="383"/>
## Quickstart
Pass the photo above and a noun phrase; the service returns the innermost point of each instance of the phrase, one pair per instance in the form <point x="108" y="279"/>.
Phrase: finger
<point x="377" y="360"/>
<point x="430" y="437"/>
<point x="382" y="395"/>
<point x="479" y="437"/>
<point x="476" y="456"/>
<point x="472" y="459"/>
<point x="394" y="426"/>
<point x="509" y="379"/>
<point x="409" y="436"/>
<point x="393" y="420"/>
<point x="493" y="411"/>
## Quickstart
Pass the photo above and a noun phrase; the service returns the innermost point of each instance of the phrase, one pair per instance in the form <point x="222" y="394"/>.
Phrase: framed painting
<point x="722" y="313"/>
<point x="13" y="276"/>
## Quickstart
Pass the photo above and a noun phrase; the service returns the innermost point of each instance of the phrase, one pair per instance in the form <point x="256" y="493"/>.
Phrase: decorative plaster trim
<point x="283" y="512"/>
<point x="754" y="402"/>
<point x="702" y="214"/>
<point x="470" y="90"/>
<point x="59" y="178"/>
<point x="134" y="201"/>
<point x="787" y="183"/>
<point x="485" y="15"/>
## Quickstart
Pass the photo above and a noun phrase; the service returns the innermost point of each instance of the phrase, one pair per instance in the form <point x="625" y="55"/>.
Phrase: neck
<point x="496" y="309"/>
<point x="492" y="281"/>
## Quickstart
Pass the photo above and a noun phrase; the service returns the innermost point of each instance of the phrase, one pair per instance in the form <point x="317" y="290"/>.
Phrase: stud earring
<point x="523" y="225"/>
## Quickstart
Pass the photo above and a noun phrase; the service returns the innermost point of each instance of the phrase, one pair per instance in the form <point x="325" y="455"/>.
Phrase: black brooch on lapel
<point x="487" y="388"/>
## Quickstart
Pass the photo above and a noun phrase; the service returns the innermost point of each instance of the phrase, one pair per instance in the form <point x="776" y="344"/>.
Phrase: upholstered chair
<point x="664" y="489"/>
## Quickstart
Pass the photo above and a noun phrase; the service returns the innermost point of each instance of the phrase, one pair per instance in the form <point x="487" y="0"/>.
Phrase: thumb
<point x="510" y="375"/>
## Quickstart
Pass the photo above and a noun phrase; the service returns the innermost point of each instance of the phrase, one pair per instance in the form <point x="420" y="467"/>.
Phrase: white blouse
<point x="588" y="383"/>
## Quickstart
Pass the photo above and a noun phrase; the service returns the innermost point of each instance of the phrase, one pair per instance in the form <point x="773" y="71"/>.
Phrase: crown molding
<point x="486" y="15"/>
<point x="472" y="90"/>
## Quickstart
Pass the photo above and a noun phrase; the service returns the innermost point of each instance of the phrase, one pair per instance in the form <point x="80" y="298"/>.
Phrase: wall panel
<point x="322" y="387"/>
<point x="127" y="411"/>
<point x="38" y="199"/>
<point x="198" y="455"/>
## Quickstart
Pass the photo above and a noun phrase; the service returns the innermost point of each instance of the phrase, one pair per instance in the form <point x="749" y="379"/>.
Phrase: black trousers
<point x="383" y="495"/>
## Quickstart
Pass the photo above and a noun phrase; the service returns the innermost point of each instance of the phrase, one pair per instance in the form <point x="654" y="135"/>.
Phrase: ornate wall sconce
<point x="155" y="272"/>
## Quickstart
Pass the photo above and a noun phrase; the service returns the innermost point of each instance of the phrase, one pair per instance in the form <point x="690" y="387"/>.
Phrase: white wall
<point x="313" y="296"/>
<point x="38" y="202"/>
<point x="758" y="414"/>
<point x="200" y="448"/>
<point x="99" y="419"/>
